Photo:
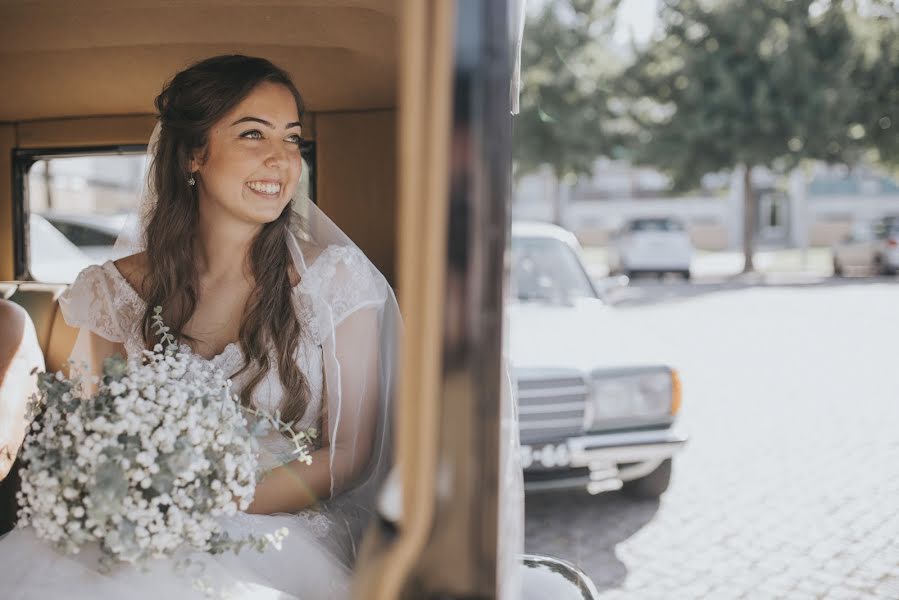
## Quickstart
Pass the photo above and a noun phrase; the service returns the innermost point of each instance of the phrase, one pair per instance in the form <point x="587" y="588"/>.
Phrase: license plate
<point x="547" y="456"/>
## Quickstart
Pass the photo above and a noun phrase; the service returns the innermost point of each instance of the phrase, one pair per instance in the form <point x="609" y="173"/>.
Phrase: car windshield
<point x="547" y="269"/>
<point x="655" y="225"/>
<point x="884" y="228"/>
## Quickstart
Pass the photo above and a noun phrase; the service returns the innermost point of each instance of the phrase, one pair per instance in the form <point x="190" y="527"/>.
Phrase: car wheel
<point x="882" y="268"/>
<point x="837" y="268"/>
<point x="652" y="485"/>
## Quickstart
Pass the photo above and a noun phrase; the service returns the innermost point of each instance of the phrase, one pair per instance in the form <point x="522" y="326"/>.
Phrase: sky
<point x="637" y="18"/>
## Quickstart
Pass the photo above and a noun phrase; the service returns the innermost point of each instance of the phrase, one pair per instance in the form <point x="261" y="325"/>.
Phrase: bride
<point x="256" y="280"/>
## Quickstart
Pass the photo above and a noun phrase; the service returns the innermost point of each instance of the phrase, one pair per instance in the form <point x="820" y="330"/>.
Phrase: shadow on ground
<point x="644" y="291"/>
<point x="585" y="530"/>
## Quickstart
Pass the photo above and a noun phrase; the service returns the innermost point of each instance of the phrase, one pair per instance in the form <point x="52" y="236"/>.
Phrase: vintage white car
<point x="595" y="410"/>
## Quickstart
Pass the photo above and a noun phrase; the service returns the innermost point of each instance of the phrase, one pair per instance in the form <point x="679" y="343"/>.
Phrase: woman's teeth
<point x="265" y="188"/>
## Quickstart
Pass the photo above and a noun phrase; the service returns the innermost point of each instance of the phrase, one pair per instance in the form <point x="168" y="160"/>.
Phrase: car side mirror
<point x="609" y="285"/>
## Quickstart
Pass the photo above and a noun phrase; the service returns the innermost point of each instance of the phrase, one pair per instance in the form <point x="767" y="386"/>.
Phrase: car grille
<point x="549" y="409"/>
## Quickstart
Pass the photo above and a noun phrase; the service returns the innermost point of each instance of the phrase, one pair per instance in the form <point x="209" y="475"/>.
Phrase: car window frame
<point x="22" y="161"/>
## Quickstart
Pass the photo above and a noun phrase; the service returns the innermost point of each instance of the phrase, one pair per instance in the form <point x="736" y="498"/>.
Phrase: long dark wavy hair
<point x="189" y="105"/>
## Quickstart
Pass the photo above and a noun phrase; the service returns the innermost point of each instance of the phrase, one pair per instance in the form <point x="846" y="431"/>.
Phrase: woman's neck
<point x="222" y="248"/>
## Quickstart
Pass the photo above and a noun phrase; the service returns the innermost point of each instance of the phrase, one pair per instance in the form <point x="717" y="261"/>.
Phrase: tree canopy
<point x="751" y="82"/>
<point x="723" y="83"/>
<point x="877" y="78"/>
<point x="566" y="68"/>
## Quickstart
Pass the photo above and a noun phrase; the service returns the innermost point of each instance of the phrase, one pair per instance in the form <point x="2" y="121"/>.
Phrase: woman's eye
<point x="255" y="134"/>
<point x="296" y="139"/>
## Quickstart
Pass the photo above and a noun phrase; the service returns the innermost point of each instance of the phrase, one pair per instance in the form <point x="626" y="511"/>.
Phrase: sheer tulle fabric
<point x="302" y="570"/>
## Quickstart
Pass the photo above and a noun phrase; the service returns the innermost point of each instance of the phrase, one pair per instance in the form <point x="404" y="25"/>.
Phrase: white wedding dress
<point x="314" y="561"/>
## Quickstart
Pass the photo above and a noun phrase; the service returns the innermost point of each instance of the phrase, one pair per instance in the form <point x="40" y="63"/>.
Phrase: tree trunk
<point x="557" y="201"/>
<point x="749" y="218"/>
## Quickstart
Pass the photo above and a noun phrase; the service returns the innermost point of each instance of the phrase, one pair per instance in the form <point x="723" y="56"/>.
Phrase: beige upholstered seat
<point x="55" y="337"/>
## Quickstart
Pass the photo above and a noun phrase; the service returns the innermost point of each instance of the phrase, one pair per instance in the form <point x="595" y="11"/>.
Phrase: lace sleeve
<point x="348" y="301"/>
<point x="341" y="281"/>
<point x="90" y="303"/>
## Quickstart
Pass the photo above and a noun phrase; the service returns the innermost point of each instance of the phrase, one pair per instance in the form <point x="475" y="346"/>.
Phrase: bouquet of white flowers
<point x="148" y="463"/>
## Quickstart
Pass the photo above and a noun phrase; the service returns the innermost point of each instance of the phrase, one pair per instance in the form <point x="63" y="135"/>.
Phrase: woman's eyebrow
<point x="264" y="122"/>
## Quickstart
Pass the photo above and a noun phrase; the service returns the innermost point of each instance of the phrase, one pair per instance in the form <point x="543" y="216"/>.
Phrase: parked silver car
<point x="871" y="247"/>
<point x="651" y="245"/>
<point x="595" y="411"/>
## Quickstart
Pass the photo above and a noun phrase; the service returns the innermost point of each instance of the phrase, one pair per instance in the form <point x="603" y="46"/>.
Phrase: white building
<point x="805" y="209"/>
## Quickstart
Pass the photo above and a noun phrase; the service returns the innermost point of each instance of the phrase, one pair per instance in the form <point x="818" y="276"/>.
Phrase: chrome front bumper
<point x="598" y="462"/>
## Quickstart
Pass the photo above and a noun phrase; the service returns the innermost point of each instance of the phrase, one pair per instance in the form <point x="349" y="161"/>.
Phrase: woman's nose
<point x="277" y="154"/>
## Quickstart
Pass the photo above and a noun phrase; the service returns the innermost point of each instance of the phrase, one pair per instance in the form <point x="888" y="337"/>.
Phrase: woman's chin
<point x="256" y="218"/>
<point x="264" y="210"/>
<point x="264" y="218"/>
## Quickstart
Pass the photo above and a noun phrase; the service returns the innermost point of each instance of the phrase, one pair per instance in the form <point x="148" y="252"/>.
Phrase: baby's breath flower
<point x="148" y="463"/>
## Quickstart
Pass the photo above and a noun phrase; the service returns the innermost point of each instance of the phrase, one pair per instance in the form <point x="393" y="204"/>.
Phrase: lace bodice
<point x="103" y="301"/>
<point x="336" y="283"/>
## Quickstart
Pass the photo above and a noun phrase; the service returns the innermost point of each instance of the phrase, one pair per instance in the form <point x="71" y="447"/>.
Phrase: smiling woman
<point x="203" y="289"/>
<point x="285" y="306"/>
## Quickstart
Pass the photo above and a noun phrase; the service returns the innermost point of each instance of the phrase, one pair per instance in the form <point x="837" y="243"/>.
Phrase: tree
<point x="877" y="78"/>
<point x="564" y="120"/>
<point x="746" y="83"/>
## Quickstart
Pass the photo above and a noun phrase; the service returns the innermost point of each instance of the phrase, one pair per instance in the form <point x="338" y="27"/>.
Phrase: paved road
<point x="789" y="487"/>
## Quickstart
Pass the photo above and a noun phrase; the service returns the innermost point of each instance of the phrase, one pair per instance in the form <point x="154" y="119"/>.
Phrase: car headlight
<point x="645" y="395"/>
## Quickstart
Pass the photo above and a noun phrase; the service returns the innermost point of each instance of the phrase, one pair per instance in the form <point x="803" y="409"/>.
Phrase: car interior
<point x="72" y="90"/>
<point x="80" y="78"/>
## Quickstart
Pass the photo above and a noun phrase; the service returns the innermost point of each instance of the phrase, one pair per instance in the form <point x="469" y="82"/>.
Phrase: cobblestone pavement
<point x="789" y="487"/>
